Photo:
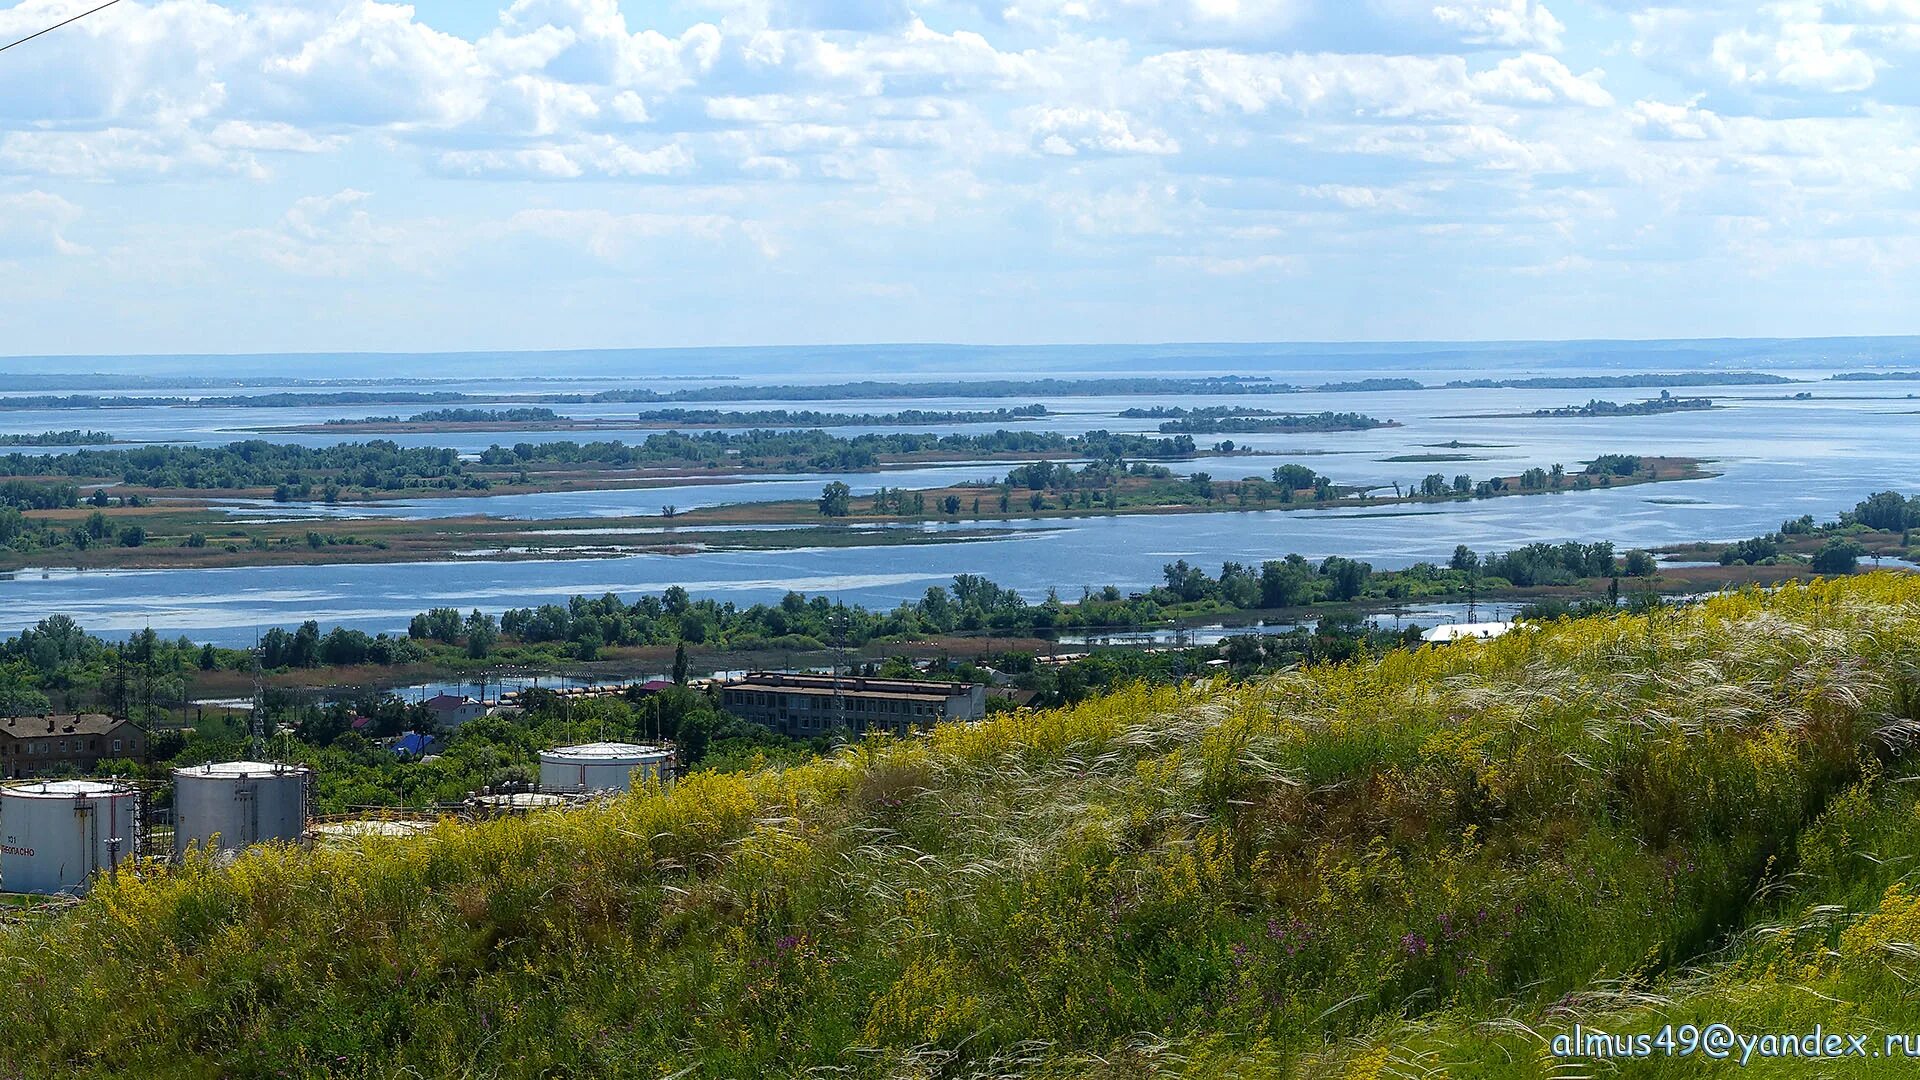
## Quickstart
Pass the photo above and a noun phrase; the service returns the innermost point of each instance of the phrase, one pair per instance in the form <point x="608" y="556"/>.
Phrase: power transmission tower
<point x="837" y="623"/>
<point x="257" y="720"/>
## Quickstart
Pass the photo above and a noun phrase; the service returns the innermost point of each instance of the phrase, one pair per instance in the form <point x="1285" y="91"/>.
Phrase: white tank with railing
<point x="603" y="766"/>
<point x="55" y="835"/>
<point x="231" y="805"/>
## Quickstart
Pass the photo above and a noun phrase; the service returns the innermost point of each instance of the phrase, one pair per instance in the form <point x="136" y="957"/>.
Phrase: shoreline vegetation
<point x="874" y="389"/>
<point x="1230" y="420"/>
<point x="620" y="636"/>
<point x="1597" y="408"/>
<point x="69" y="437"/>
<point x="446" y="421"/>
<point x="383" y="469"/>
<point x="45" y="526"/>
<point x="1600" y="410"/>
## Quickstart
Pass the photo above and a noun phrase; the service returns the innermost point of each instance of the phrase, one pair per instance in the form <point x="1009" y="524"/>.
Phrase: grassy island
<point x="69" y="437"/>
<point x="1596" y="408"/>
<point x="45" y="523"/>
<point x="1228" y="421"/>
<point x="443" y="421"/>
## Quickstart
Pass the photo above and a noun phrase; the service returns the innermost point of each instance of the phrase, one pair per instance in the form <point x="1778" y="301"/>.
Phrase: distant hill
<point x="1429" y="863"/>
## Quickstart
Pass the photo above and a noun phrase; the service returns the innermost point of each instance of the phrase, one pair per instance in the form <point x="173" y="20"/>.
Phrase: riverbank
<point x="451" y="666"/>
<point x="1127" y="495"/>
<point x="178" y="533"/>
<point x="542" y="477"/>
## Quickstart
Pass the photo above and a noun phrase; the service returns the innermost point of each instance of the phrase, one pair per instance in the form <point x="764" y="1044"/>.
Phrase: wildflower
<point x="1414" y="944"/>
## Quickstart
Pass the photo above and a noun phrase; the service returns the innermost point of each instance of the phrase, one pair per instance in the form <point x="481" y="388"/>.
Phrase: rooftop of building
<point x="60" y="724"/>
<point x="845" y="692"/>
<point x="847" y="684"/>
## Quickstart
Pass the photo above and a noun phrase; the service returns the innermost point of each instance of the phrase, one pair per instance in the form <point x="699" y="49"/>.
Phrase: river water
<point x="1777" y="457"/>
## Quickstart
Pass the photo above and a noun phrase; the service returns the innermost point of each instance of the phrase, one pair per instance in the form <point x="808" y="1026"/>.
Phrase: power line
<point x="58" y="25"/>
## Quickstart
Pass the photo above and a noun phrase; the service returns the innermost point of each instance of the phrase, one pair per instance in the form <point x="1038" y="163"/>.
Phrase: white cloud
<point x="35" y="223"/>
<point x="122" y="152"/>
<point x="594" y="156"/>
<point x="1087" y="142"/>
<point x="1801" y="55"/>
<point x="286" y="138"/>
<point x="1660" y="120"/>
<point x="1231" y="265"/>
<point x="1068" y="131"/>
<point x="1518" y="24"/>
<point x="1534" y="79"/>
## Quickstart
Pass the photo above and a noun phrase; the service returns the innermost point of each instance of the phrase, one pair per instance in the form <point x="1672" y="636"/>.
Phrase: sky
<point x="314" y="175"/>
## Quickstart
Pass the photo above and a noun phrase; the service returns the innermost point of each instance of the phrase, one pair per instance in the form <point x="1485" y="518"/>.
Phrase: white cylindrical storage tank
<point x="56" y="834"/>
<point x="519" y="802"/>
<point x="605" y="766"/>
<point x="240" y="802"/>
<point x="341" y="831"/>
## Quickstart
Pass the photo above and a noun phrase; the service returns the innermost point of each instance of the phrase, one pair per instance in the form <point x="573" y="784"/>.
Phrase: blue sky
<point x="191" y="175"/>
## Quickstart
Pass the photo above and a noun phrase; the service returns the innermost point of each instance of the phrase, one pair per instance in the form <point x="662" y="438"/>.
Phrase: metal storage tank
<point x="241" y="802"/>
<point x="518" y="802"/>
<point x="603" y="766"/>
<point x="56" y="834"/>
<point x="341" y="830"/>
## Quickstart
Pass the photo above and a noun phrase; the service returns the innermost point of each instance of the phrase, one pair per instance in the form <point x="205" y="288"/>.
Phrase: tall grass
<point x="1381" y="868"/>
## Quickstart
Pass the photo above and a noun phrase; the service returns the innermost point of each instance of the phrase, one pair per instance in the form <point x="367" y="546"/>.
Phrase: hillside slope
<point x="1436" y="860"/>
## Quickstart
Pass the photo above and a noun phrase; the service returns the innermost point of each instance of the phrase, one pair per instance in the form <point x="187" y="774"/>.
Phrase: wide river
<point x="1777" y="457"/>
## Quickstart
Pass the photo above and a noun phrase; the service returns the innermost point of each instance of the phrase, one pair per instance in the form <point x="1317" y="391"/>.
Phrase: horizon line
<point x="1351" y="343"/>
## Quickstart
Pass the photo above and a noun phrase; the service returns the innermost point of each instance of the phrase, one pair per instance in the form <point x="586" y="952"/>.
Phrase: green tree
<point x="1838" y="557"/>
<point x="1294" y="477"/>
<point x="836" y="499"/>
<point x="482" y="634"/>
<point x="1284" y="583"/>
<point x="1346" y="577"/>
<point x="1887" y="510"/>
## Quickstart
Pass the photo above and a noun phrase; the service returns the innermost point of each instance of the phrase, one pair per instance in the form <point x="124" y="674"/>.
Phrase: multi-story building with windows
<point x="803" y="705"/>
<point x="39" y="745"/>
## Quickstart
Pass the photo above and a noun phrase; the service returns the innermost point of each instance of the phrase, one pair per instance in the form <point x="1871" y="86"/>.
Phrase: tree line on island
<point x="1665" y="403"/>
<point x="876" y="389"/>
<point x="1047" y="486"/>
<point x="707" y="417"/>
<point x="292" y="471"/>
<point x="67" y="437"/>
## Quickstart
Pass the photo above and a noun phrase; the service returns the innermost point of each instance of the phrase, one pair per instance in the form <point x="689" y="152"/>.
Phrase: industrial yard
<point x="58" y="837"/>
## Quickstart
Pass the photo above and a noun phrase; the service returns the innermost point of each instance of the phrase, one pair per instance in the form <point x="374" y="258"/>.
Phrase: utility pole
<point x="256" y="720"/>
<point x="837" y="623"/>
